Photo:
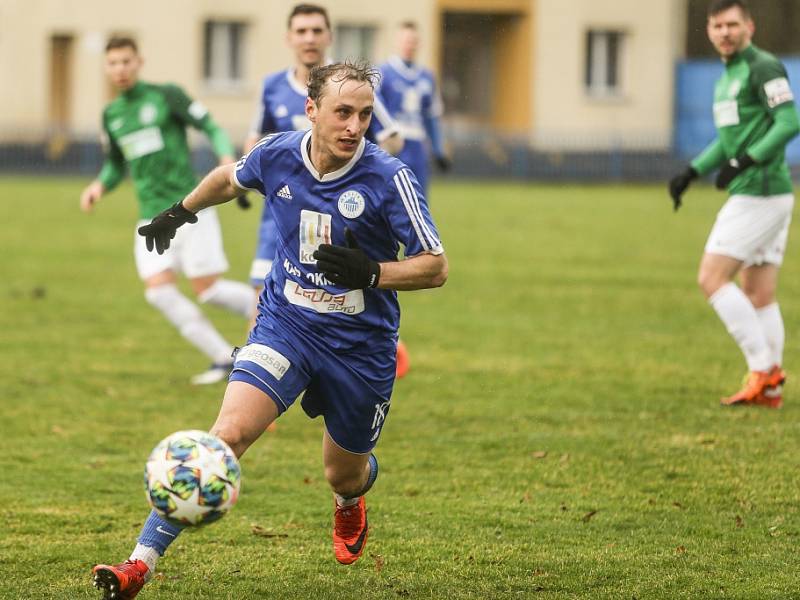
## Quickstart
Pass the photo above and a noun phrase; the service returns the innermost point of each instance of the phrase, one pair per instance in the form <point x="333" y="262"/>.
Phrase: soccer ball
<point x="192" y="478"/>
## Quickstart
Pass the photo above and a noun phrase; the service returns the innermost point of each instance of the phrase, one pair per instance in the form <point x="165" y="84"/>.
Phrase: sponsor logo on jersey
<point x="323" y="302"/>
<point x="778" y="91"/>
<point x="148" y="113"/>
<point x="197" y="110"/>
<point x="315" y="229"/>
<point x="726" y="113"/>
<point x="269" y="359"/>
<point x="285" y="193"/>
<point x="351" y="204"/>
<point x="141" y="143"/>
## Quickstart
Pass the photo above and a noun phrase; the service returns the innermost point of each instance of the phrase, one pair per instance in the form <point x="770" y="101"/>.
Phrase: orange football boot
<point x="350" y="530"/>
<point x="755" y="386"/>
<point x="120" y="582"/>
<point x="403" y="362"/>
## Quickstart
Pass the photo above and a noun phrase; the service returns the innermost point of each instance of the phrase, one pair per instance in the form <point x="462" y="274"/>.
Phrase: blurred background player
<point x="328" y="316"/>
<point x="145" y="131"/>
<point x="755" y="117"/>
<point x="409" y="92"/>
<point x="281" y="107"/>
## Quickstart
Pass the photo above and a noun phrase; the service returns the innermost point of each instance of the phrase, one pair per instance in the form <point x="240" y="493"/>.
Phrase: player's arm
<point x="772" y="85"/>
<point x="431" y="115"/>
<point x="194" y="114"/>
<point x="221" y="185"/>
<point x="416" y="273"/>
<point x="111" y="173"/>
<point x="383" y="128"/>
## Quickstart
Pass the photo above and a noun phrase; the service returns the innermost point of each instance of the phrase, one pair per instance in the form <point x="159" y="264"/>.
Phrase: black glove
<point x="162" y="228"/>
<point x="731" y="169"/>
<point x="347" y="267"/>
<point x="443" y="163"/>
<point x="678" y="185"/>
<point x="243" y="202"/>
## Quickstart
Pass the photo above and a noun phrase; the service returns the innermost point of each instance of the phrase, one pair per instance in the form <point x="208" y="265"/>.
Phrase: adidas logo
<point x="285" y="193"/>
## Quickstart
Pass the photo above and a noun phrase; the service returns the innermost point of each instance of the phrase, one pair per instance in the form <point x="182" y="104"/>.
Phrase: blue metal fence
<point x="694" y="94"/>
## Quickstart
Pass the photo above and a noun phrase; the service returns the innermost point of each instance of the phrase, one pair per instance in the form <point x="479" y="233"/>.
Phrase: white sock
<point x="742" y="322"/>
<point x="148" y="556"/>
<point x="236" y="297"/>
<point x="341" y="501"/>
<point x="772" y="324"/>
<point x="189" y="321"/>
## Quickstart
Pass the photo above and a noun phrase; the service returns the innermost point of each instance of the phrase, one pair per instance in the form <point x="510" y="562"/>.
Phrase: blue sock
<point x="373" y="474"/>
<point x="158" y="533"/>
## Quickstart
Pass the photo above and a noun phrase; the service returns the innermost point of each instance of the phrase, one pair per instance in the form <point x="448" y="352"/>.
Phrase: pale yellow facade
<point x="51" y="62"/>
<point x="640" y="115"/>
<point x="170" y="37"/>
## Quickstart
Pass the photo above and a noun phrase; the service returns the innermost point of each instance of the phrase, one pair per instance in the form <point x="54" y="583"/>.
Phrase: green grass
<point x="558" y="435"/>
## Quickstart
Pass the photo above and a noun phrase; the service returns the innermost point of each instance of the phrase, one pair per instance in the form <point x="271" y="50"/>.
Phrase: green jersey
<point x="145" y="128"/>
<point x="754" y="114"/>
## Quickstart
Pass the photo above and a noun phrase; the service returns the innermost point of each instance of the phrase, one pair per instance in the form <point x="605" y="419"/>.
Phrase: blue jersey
<point x="409" y="93"/>
<point x="282" y="107"/>
<point x="375" y="195"/>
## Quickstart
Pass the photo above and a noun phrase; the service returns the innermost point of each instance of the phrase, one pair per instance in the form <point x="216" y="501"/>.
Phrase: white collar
<point x="294" y="84"/>
<point x="334" y="174"/>
<point x="401" y="67"/>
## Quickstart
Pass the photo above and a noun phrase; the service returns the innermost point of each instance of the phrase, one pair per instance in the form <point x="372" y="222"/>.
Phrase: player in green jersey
<point x="145" y="131"/>
<point x="755" y="117"/>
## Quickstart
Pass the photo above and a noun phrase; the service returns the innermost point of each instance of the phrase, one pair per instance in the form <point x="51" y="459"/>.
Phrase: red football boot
<point x="121" y="582"/>
<point x="753" y="391"/>
<point x="350" y="531"/>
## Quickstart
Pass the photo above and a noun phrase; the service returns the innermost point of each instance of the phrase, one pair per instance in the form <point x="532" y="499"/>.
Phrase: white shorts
<point x="753" y="229"/>
<point x="196" y="250"/>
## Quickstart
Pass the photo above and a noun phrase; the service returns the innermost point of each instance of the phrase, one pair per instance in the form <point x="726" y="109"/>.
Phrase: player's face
<point x="407" y="43"/>
<point x="122" y="67"/>
<point x="309" y="38"/>
<point x="342" y="118"/>
<point x="730" y="31"/>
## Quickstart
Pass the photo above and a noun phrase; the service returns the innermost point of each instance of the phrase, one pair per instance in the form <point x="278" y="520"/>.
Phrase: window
<point x="604" y="62"/>
<point x="354" y="42"/>
<point x="223" y="60"/>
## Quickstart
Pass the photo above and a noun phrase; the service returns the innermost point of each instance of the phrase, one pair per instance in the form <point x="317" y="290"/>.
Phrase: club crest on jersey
<point x="147" y="114"/>
<point x="351" y="204"/>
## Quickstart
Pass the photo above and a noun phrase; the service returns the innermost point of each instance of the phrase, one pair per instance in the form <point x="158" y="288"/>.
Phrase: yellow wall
<point x="170" y="37"/>
<point x="642" y="116"/>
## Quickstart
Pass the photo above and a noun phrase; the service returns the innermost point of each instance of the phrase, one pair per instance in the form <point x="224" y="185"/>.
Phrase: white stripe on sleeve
<point x="415" y="203"/>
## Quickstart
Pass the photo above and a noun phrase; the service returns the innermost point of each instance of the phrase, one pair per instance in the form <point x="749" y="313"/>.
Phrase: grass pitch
<point x="558" y="435"/>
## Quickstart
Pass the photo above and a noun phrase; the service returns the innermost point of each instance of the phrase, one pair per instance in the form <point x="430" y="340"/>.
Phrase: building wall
<point x="170" y="37"/>
<point x="565" y="116"/>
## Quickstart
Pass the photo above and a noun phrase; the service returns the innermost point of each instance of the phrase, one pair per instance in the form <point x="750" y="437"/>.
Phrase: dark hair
<point x="408" y="25"/>
<point x="718" y="6"/>
<point x="119" y="41"/>
<point x="360" y="71"/>
<point x="308" y="9"/>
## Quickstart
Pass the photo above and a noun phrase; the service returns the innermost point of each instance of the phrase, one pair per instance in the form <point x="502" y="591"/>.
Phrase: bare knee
<point x="710" y="282"/>
<point x="345" y="481"/>
<point x="233" y="435"/>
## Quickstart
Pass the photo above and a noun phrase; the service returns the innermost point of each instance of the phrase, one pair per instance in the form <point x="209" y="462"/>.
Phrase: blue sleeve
<point x="248" y="169"/>
<point x="409" y="217"/>
<point x="263" y="121"/>
<point x="382" y="125"/>
<point x="432" y="110"/>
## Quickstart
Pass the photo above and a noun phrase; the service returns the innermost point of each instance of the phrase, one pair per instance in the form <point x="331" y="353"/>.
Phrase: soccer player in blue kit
<point x="328" y="316"/>
<point x="410" y="94"/>
<point x="282" y="107"/>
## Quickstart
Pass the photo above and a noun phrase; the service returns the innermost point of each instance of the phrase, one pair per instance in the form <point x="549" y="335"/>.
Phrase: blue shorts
<point x="351" y="390"/>
<point x="265" y="247"/>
